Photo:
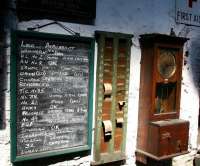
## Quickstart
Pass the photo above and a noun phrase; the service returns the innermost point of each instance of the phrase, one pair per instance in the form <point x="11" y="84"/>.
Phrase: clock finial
<point x="172" y="33"/>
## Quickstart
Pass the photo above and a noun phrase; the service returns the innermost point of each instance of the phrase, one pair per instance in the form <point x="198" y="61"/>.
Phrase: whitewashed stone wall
<point x="135" y="17"/>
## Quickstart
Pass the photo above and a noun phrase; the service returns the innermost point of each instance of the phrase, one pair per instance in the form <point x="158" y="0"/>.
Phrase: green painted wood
<point x="115" y="156"/>
<point x="107" y="158"/>
<point x="13" y="83"/>
<point x="128" y="52"/>
<point x="114" y="92"/>
<point x="13" y="74"/>
<point x="99" y="98"/>
<point x="91" y="87"/>
<point x="111" y="155"/>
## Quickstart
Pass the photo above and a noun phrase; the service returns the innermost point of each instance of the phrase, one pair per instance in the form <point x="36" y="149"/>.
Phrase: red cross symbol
<point x="190" y="2"/>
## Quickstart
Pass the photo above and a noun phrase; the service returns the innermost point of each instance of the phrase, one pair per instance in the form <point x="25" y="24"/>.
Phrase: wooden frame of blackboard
<point x="13" y="83"/>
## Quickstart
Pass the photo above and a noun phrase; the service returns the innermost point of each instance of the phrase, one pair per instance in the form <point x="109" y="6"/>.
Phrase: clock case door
<point x="166" y="90"/>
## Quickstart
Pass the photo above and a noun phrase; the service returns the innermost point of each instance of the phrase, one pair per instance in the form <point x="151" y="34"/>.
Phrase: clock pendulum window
<point x="161" y="134"/>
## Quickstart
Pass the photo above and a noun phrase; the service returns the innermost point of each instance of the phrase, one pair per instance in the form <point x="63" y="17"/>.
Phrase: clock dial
<point x="166" y="63"/>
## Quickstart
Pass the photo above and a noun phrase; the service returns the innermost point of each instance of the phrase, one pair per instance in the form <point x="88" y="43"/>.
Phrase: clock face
<point x="166" y="63"/>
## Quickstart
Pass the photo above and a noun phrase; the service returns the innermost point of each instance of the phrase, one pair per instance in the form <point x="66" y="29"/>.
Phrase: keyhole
<point x="179" y="146"/>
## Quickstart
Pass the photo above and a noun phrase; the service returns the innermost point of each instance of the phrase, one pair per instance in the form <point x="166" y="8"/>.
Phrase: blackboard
<point x="52" y="77"/>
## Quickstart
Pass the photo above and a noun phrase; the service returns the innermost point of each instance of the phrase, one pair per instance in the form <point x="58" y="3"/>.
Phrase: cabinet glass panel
<point x="165" y="100"/>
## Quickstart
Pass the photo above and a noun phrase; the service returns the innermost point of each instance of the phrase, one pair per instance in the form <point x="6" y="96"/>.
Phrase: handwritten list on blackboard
<point x="52" y="95"/>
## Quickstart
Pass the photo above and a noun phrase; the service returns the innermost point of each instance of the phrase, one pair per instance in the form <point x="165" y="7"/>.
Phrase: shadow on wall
<point x="3" y="69"/>
<point x="195" y="60"/>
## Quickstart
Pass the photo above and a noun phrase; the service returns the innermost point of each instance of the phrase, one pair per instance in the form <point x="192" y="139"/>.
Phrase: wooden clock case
<point x="161" y="134"/>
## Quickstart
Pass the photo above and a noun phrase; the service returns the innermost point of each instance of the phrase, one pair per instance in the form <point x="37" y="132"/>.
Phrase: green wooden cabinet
<point x="112" y="85"/>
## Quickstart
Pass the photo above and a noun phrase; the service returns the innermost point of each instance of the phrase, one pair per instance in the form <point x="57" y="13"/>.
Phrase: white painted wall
<point x="135" y="17"/>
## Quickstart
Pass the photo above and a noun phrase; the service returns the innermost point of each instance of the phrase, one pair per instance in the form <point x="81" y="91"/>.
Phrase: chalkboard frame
<point x="13" y="84"/>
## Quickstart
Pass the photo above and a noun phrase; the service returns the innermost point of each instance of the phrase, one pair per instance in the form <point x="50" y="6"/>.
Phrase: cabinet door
<point x="173" y="139"/>
<point x="166" y="138"/>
